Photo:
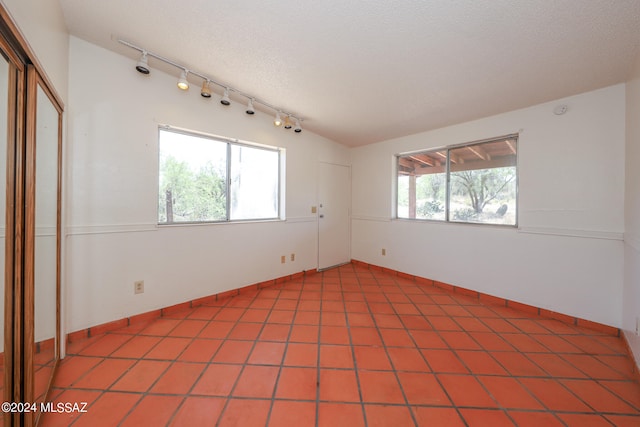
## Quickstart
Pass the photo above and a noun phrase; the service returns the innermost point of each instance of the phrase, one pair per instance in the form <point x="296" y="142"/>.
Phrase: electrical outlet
<point x="293" y="257"/>
<point x="138" y="287"/>
<point x="283" y="259"/>
<point x="384" y="252"/>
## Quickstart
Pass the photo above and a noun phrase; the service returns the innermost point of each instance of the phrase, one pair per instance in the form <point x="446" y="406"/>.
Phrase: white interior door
<point x="334" y="221"/>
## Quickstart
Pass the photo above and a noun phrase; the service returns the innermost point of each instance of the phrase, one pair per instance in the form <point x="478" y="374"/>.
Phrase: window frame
<point x="229" y="142"/>
<point x="447" y="172"/>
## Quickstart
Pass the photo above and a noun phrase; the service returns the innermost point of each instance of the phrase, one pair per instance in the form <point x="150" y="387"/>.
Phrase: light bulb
<point x="143" y="64"/>
<point x="225" y="98"/>
<point x="277" y="121"/>
<point x="250" y="109"/>
<point x="183" y="84"/>
<point x="205" y="92"/>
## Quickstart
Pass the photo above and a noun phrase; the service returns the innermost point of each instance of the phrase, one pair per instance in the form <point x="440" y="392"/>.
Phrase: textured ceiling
<point x="360" y="72"/>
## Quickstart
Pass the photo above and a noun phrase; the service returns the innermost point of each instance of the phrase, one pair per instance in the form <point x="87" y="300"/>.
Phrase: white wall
<point x="42" y="25"/>
<point x="566" y="256"/>
<point x="631" y="293"/>
<point x="113" y="240"/>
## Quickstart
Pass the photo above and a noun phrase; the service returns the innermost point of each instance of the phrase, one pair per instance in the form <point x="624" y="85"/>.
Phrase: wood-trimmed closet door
<point x="42" y="242"/>
<point x="12" y="137"/>
<point x="32" y="223"/>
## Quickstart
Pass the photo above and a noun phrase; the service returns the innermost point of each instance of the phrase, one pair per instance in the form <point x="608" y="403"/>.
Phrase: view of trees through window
<point x="479" y="179"/>
<point x="194" y="187"/>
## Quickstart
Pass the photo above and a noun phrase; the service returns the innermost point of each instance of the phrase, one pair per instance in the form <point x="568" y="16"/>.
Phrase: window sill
<point x="213" y="223"/>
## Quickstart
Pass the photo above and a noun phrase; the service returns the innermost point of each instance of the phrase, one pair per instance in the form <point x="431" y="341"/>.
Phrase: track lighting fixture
<point x="250" y="109"/>
<point x="205" y="92"/>
<point x="183" y="84"/>
<point x="225" y="98"/>
<point x="143" y="63"/>
<point x="277" y="121"/>
<point x="142" y="66"/>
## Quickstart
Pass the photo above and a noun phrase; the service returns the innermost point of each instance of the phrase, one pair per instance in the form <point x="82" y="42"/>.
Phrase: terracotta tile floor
<point x="349" y="347"/>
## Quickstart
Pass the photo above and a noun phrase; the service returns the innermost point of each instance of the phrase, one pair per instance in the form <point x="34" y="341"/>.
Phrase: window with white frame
<point x="208" y="179"/>
<point x="472" y="183"/>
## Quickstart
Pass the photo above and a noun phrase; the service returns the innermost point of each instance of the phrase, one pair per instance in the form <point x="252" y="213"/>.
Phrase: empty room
<point x="415" y="213"/>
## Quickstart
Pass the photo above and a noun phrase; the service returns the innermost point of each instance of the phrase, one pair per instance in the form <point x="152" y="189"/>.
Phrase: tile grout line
<point x="244" y="365"/>
<point x="474" y="375"/>
<point x="178" y="408"/>
<point x="353" y="355"/>
<point x="383" y="290"/>
<point x="206" y="364"/>
<point x="451" y="349"/>
<point x="518" y="377"/>
<point x="395" y="371"/>
<point x="436" y="375"/>
<point x="284" y="354"/>
<point x="147" y="392"/>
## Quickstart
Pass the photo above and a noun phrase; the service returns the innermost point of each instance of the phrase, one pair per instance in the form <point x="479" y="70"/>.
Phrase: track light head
<point x="225" y="98"/>
<point x="143" y="63"/>
<point x="298" y="128"/>
<point x="277" y="121"/>
<point x="183" y="84"/>
<point x="287" y="123"/>
<point x="205" y="92"/>
<point x="250" y="109"/>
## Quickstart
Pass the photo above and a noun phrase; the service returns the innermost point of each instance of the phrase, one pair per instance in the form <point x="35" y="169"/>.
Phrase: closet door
<point x="42" y="242"/>
<point x="4" y="133"/>
<point x="30" y="162"/>
<point x="12" y="136"/>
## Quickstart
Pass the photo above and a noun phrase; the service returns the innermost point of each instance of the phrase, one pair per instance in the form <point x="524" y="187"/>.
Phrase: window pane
<point x="431" y="196"/>
<point x="403" y="196"/>
<point x="481" y="180"/>
<point x="422" y="185"/>
<point x="254" y="183"/>
<point x="483" y="183"/>
<point x="192" y="179"/>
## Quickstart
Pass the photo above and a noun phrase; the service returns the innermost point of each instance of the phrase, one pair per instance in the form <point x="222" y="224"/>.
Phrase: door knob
<point x="321" y="215"/>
